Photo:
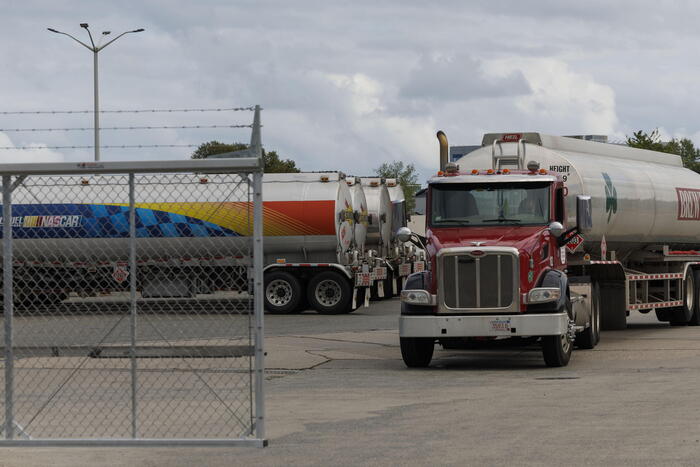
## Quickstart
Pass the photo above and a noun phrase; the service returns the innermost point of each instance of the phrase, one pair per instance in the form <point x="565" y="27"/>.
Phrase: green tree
<point x="407" y="177"/>
<point x="682" y="147"/>
<point x="273" y="163"/>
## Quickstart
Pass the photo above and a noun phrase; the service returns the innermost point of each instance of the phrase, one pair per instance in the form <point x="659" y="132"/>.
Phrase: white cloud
<point x="569" y="101"/>
<point x="38" y="152"/>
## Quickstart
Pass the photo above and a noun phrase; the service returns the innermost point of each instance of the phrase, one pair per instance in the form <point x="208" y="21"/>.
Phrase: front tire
<point x="329" y="293"/>
<point x="556" y="350"/>
<point x="282" y="292"/>
<point x="417" y="351"/>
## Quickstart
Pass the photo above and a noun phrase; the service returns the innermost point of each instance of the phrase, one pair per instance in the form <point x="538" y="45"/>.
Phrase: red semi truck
<point x="551" y="238"/>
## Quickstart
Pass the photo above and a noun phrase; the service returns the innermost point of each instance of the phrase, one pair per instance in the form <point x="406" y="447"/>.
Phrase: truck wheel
<point x="682" y="315"/>
<point x="417" y="351"/>
<point x="330" y="293"/>
<point x="282" y="292"/>
<point x="589" y="337"/>
<point x="613" y="312"/>
<point x="695" y="317"/>
<point x="556" y="350"/>
<point x="389" y="285"/>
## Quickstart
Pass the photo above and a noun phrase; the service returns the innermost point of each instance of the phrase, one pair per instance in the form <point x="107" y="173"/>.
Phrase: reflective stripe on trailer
<point x="653" y="277"/>
<point x="604" y="262"/>
<point x="638" y="306"/>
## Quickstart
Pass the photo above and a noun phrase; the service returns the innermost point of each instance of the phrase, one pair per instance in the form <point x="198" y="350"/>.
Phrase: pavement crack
<point x="344" y="340"/>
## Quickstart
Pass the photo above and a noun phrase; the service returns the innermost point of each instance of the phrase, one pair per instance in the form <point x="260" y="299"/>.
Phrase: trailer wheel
<point x="330" y="293"/>
<point x="683" y="315"/>
<point x="589" y="337"/>
<point x="695" y="317"/>
<point x="417" y="351"/>
<point x="282" y="292"/>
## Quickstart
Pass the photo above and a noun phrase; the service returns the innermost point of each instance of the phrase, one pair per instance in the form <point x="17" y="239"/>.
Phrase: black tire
<point x="589" y="337"/>
<point x="683" y="315"/>
<point x="613" y="312"/>
<point x="695" y="316"/>
<point x="556" y="350"/>
<point x="389" y="285"/>
<point x="417" y="351"/>
<point x="329" y="293"/>
<point x="283" y="292"/>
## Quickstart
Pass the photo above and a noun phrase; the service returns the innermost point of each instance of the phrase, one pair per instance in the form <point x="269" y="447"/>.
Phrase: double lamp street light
<point x="95" y="49"/>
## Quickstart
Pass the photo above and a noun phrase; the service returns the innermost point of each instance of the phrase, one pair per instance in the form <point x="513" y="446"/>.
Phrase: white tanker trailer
<point x="410" y="257"/>
<point x="379" y="236"/>
<point x="308" y="227"/>
<point x="552" y="238"/>
<point x="314" y="258"/>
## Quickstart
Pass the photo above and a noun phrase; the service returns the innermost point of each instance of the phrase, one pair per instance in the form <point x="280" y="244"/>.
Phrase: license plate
<point x="500" y="325"/>
<point x="380" y="273"/>
<point x="404" y="269"/>
<point x="363" y="279"/>
<point x="419" y="266"/>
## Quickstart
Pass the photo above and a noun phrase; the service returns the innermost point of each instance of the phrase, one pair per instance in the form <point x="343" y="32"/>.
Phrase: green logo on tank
<point x="610" y="196"/>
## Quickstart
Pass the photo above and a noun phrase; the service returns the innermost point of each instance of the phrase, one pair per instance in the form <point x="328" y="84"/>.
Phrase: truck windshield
<point x="479" y="204"/>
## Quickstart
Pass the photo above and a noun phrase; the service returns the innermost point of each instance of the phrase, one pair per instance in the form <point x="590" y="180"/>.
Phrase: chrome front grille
<point x="487" y="281"/>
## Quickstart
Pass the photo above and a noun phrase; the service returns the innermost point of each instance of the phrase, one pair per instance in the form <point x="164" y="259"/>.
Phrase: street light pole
<point x="95" y="49"/>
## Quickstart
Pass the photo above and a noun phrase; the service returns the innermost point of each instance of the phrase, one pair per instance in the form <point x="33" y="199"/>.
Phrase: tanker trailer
<point x="379" y="236"/>
<point x="309" y="247"/>
<point x="307" y="226"/>
<point x="552" y="238"/>
<point x="359" y="204"/>
<point x="410" y="257"/>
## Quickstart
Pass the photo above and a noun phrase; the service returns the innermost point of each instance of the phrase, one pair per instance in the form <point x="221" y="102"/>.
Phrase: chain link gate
<point x="132" y="302"/>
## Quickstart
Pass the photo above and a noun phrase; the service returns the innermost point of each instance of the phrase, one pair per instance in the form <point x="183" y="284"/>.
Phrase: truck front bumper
<point x="545" y="324"/>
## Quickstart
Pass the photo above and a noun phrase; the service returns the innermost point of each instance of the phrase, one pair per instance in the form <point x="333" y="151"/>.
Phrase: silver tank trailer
<point x="639" y="197"/>
<point x="359" y="204"/>
<point x="308" y="217"/>
<point x="380" y="211"/>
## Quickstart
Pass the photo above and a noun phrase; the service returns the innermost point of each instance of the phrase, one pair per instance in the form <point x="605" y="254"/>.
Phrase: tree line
<point x="404" y="173"/>
<point x="683" y="147"/>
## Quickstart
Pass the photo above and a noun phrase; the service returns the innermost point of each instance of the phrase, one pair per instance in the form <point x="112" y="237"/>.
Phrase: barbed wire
<point x="52" y="112"/>
<point x="124" y="146"/>
<point x="165" y="127"/>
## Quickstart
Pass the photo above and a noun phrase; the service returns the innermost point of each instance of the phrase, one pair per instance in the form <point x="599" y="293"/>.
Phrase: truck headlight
<point x="417" y="297"/>
<point x="543" y="295"/>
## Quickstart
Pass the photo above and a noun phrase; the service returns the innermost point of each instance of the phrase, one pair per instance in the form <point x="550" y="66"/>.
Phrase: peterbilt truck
<point x="552" y="239"/>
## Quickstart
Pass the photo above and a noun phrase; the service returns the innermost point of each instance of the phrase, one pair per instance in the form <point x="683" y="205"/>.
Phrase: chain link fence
<point x="131" y="312"/>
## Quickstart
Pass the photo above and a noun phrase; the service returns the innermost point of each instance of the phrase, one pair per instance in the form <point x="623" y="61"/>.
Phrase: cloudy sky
<point x="348" y="85"/>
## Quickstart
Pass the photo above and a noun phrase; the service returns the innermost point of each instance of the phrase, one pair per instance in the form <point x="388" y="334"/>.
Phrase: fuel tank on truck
<point x="308" y="217"/>
<point x="359" y="204"/>
<point x="639" y="197"/>
<point x="379" y="207"/>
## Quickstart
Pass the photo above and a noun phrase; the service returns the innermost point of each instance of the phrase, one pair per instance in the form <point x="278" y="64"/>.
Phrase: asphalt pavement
<point x="339" y="394"/>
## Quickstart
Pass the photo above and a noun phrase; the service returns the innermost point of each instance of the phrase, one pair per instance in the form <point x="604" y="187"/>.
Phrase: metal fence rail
<point x="132" y="302"/>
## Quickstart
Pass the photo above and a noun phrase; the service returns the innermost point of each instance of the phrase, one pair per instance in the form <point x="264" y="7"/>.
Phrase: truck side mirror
<point x="584" y="216"/>
<point x="404" y="234"/>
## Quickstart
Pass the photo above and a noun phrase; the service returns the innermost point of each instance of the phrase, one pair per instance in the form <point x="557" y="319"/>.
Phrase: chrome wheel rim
<point x="689" y="291"/>
<point x="328" y="293"/>
<point x="565" y="343"/>
<point x="278" y="292"/>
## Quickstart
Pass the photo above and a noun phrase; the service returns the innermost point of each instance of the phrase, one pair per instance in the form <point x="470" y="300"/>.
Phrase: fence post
<point x="132" y="301"/>
<point x="8" y="304"/>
